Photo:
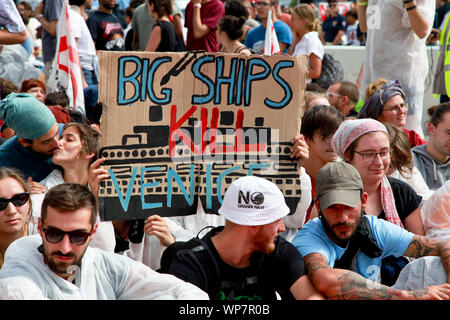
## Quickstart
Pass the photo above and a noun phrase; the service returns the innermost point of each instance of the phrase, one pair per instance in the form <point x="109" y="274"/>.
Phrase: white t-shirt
<point x="310" y="43"/>
<point x="352" y="34"/>
<point x="85" y="44"/>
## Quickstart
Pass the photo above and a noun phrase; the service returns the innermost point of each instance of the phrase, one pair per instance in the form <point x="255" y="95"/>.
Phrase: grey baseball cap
<point x="338" y="183"/>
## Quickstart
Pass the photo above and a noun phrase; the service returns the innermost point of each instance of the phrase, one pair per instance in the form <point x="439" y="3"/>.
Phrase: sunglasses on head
<point x="18" y="200"/>
<point x="55" y="235"/>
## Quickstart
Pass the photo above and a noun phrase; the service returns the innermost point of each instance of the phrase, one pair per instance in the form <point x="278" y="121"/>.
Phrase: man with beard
<point x="105" y="27"/>
<point x="343" y="237"/>
<point x="245" y="259"/>
<point x="37" y="135"/>
<point x="59" y="264"/>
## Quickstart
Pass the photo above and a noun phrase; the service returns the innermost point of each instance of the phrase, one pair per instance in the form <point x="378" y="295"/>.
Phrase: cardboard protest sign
<point x="178" y="128"/>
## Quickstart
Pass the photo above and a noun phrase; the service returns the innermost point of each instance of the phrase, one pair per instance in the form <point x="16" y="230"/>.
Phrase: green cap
<point x="26" y="115"/>
<point x="338" y="183"/>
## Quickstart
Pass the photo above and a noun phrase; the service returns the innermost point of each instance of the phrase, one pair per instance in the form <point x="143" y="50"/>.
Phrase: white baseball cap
<point x="253" y="201"/>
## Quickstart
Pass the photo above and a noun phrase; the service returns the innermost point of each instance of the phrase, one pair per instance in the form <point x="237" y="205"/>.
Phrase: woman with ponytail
<point x="306" y="27"/>
<point x="229" y="32"/>
<point x="164" y="37"/>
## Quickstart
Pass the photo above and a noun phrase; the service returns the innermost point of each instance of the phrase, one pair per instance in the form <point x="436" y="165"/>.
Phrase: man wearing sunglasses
<point x="59" y="264"/>
<point x="37" y="136"/>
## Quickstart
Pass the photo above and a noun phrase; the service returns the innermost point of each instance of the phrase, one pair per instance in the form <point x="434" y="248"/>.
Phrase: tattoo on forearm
<point x="353" y="286"/>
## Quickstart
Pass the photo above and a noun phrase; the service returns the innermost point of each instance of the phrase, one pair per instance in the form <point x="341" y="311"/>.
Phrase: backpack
<point x="332" y="71"/>
<point x="188" y="252"/>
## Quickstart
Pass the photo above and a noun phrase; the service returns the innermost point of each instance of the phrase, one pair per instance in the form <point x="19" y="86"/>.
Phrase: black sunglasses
<point x="55" y="235"/>
<point x="18" y="200"/>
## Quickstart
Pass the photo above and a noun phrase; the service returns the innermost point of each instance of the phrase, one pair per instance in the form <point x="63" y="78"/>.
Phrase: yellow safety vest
<point x="445" y="33"/>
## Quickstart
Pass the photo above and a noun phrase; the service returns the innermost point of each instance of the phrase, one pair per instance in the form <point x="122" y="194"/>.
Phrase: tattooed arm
<point x="421" y="247"/>
<point x="339" y="284"/>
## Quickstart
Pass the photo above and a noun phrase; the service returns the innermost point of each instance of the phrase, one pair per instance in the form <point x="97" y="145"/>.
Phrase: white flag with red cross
<point x="66" y="70"/>
<point x="271" y="45"/>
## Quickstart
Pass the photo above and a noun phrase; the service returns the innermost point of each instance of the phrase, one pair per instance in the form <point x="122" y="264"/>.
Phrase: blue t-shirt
<point x="255" y="37"/>
<point x="332" y="26"/>
<point x="391" y="239"/>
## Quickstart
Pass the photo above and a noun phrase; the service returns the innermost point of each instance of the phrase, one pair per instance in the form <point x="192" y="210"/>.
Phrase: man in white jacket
<point x="60" y="264"/>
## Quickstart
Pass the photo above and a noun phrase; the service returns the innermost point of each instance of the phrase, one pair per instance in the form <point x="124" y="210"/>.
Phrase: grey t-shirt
<point x="143" y="24"/>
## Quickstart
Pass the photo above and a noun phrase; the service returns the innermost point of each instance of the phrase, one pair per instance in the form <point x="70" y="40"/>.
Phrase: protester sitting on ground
<point x="435" y="213"/>
<point x="79" y="145"/>
<point x="229" y="33"/>
<point x="433" y="158"/>
<point x="245" y="259"/>
<point x="315" y="99"/>
<point x="163" y="37"/>
<point x="15" y="209"/>
<point x="37" y="136"/>
<point x="344" y="95"/>
<point x="53" y="266"/>
<point x="34" y="87"/>
<point x="58" y="103"/>
<point x="318" y="125"/>
<point x="305" y="29"/>
<point x="344" y="248"/>
<point x="402" y="164"/>
<point x="386" y="103"/>
<point x="364" y="143"/>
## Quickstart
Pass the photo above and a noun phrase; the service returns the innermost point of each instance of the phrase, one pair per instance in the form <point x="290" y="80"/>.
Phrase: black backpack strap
<point x="360" y="240"/>
<point x="210" y="270"/>
<point x="188" y="253"/>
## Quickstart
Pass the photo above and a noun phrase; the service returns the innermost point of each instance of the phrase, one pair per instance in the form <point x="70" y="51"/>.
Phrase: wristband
<point x="39" y="16"/>
<point x="411" y="8"/>
<point x="408" y="1"/>
<point x="197" y="5"/>
<point x="363" y="3"/>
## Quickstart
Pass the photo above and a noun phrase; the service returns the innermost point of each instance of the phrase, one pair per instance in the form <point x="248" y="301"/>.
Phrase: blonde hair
<point x="311" y="95"/>
<point x="374" y="86"/>
<point x="305" y="11"/>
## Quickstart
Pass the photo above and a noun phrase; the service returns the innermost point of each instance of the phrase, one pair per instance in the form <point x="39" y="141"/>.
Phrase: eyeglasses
<point x="330" y="94"/>
<point x="370" y="156"/>
<point x="18" y="200"/>
<point x="55" y="235"/>
<point x="396" y="108"/>
<point x="332" y="5"/>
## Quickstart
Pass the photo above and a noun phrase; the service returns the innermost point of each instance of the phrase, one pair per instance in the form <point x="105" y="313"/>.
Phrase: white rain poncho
<point x="421" y="273"/>
<point x="102" y="276"/>
<point x="436" y="214"/>
<point x="395" y="52"/>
